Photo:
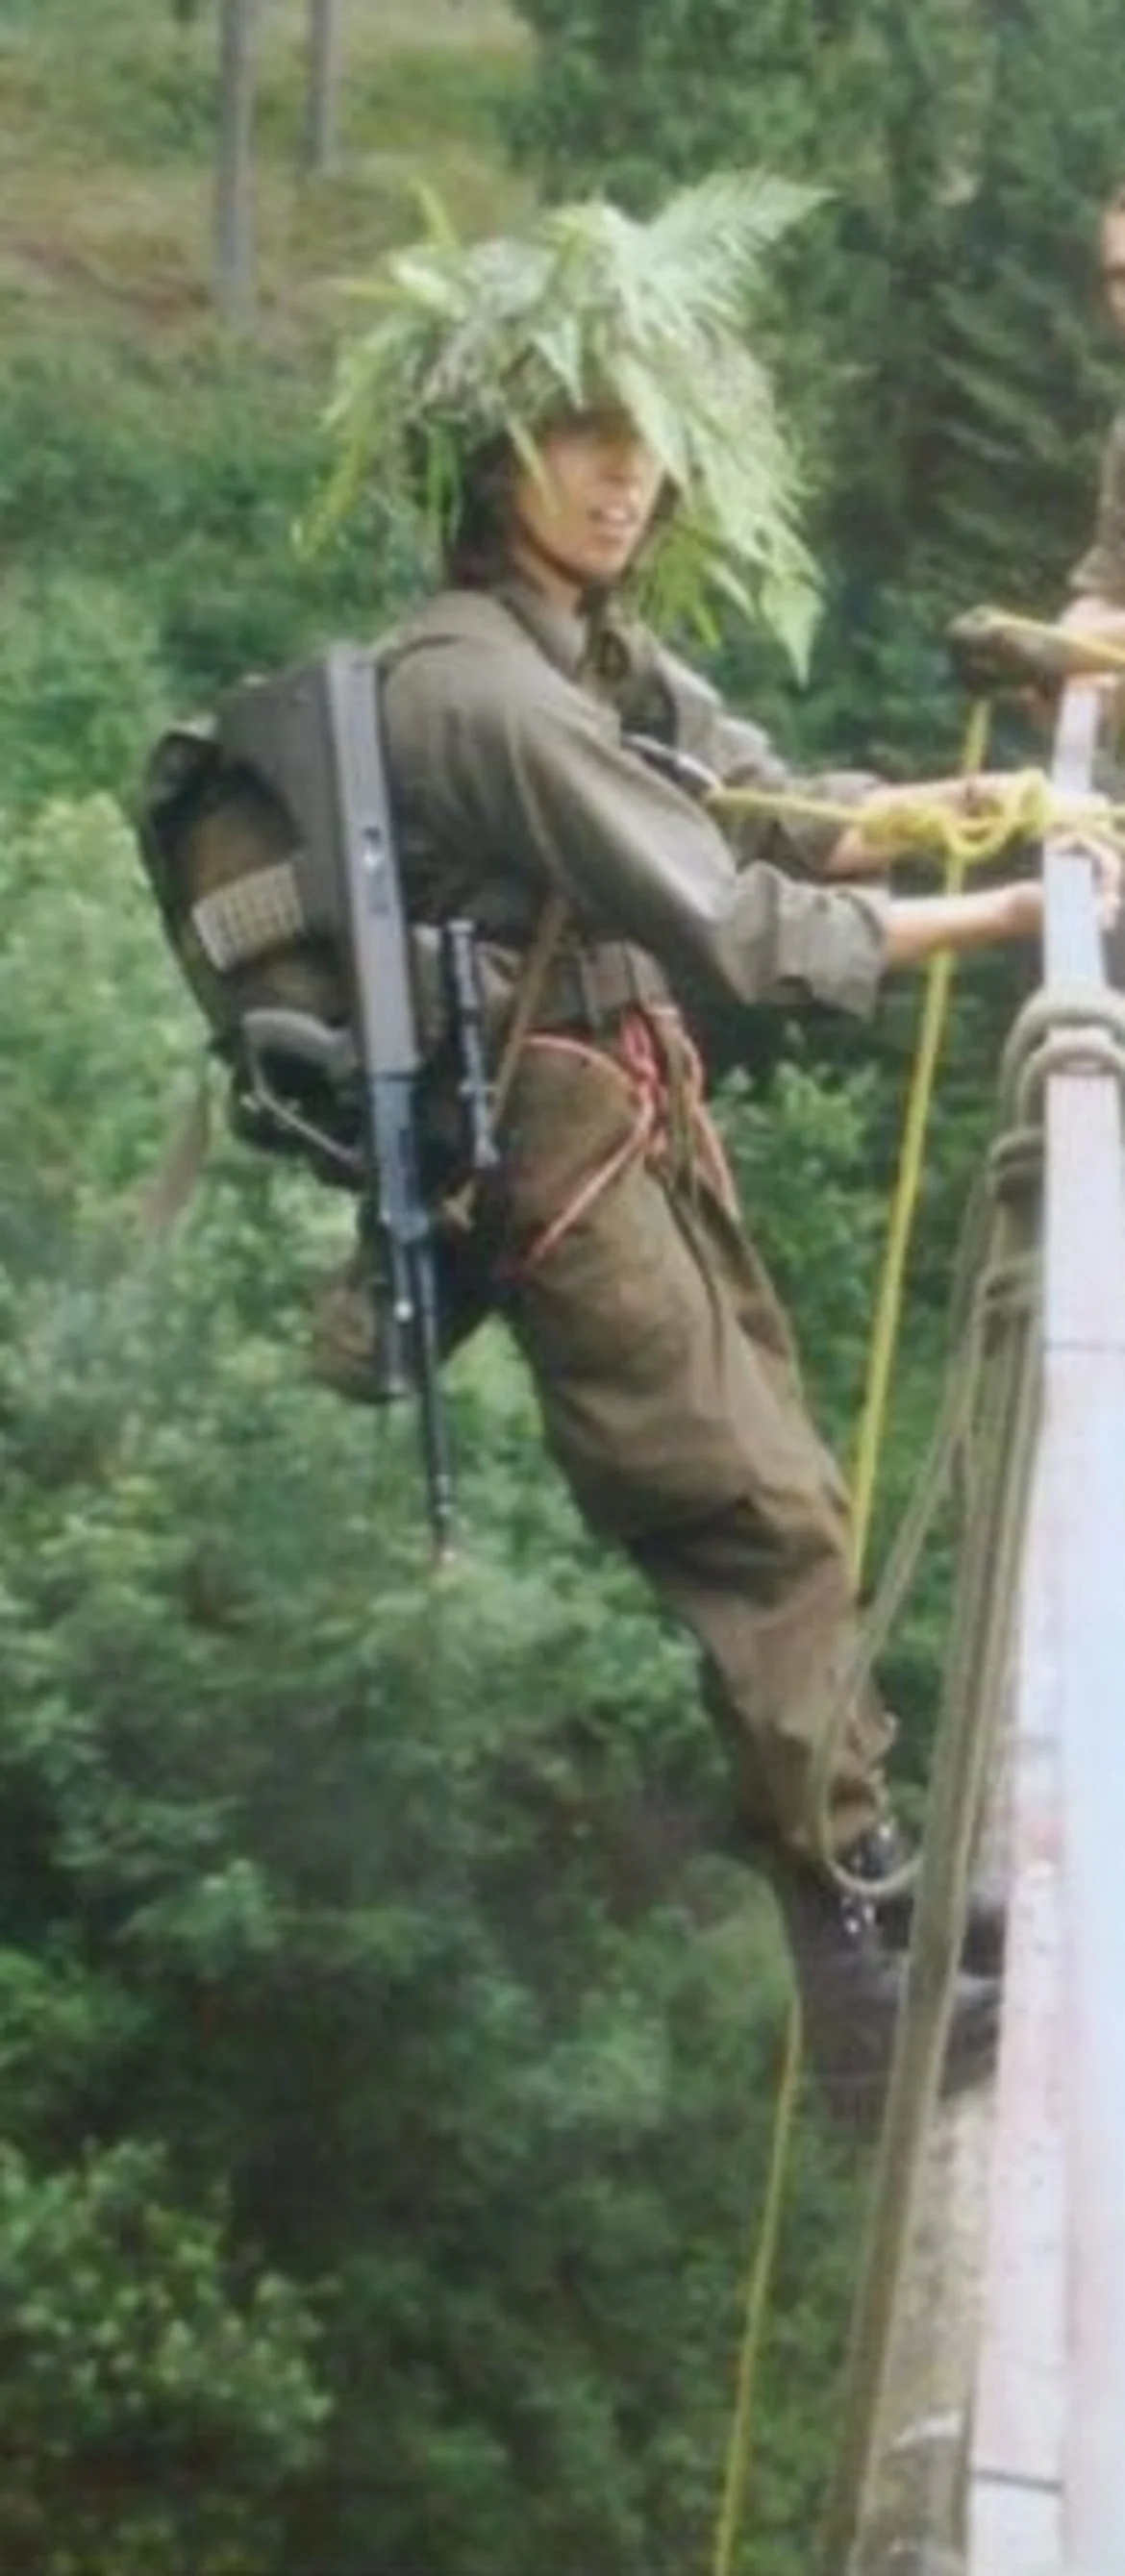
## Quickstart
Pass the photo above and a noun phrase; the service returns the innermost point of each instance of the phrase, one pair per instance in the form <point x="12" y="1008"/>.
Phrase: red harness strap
<point x="663" y="1074"/>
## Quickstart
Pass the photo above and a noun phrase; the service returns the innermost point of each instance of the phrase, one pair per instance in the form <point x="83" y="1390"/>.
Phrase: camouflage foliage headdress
<point x="480" y="342"/>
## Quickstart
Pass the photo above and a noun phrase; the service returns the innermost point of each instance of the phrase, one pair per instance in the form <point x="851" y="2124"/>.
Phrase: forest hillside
<point x="387" y="2039"/>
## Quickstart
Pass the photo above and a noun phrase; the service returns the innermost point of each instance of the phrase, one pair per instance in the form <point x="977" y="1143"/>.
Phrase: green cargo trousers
<point x="672" y="1402"/>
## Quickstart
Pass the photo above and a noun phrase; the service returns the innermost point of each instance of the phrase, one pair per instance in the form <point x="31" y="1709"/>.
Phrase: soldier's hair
<point x="476" y="548"/>
<point x="1115" y="202"/>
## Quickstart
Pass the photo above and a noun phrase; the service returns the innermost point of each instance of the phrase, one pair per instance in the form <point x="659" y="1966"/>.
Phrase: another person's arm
<point x="1098" y="580"/>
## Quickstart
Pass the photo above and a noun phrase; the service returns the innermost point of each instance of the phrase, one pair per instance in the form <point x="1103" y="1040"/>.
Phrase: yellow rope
<point x="1022" y="806"/>
<point x="908" y="1182"/>
<point x="757" y="2297"/>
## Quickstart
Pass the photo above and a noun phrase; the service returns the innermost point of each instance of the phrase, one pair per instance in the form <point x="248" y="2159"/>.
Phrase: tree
<point x="234" y="183"/>
<point x="153" y="2415"/>
<point x="636" y="95"/>
<point x="378" y="1907"/>
<point x="322" y="95"/>
<point x="1024" y="384"/>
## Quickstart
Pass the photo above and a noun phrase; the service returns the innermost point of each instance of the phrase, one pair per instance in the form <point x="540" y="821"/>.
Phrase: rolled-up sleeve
<point x="538" y="777"/>
<point x="1100" y="574"/>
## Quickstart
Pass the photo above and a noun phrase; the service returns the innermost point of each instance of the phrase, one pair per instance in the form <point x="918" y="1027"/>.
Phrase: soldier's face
<point x="1113" y="268"/>
<point x="586" y="518"/>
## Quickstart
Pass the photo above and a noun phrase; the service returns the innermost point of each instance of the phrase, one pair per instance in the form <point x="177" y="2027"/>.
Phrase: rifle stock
<point x="315" y="735"/>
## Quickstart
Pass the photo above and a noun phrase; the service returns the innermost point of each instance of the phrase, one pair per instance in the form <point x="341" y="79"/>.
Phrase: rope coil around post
<point x="1071" y="1027"/>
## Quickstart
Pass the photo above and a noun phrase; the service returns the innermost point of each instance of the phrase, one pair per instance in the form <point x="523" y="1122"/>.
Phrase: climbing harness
<point x="662" y="1076"/>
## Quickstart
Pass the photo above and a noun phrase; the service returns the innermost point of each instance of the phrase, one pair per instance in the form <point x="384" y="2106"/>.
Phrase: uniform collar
<point x="562" y="634"/>
<point x="583" y="645"/>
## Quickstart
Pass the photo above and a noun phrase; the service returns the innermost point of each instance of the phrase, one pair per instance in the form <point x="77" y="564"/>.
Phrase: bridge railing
<point x="1046" y="2469"/>
<point x="983" y="2428"/>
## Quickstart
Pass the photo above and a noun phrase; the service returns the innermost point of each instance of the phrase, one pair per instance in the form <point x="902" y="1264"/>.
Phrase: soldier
<point x="575" y="413"/>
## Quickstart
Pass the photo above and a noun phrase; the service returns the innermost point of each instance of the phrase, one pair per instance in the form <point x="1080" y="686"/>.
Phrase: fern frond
<point x="593" y="308"/>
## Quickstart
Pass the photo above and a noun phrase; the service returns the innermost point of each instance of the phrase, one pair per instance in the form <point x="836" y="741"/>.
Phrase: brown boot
<point x="852" y="1985"/>
<point x="880" y="1854"/>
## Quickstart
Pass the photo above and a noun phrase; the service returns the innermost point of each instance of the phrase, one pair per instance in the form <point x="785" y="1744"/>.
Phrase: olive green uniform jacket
<point x="664" y="1367"/>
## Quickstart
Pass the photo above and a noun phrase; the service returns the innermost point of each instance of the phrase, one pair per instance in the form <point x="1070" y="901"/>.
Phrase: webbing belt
<point x="585" y="986"/>
<point x="589" y="988"/>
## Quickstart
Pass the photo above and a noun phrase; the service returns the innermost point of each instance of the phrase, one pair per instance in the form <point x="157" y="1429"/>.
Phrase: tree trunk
<point x="234" y="190"/>
<point x="322" y="99"/>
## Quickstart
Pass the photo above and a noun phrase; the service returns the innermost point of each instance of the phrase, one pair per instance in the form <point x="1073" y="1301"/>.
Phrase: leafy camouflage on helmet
<point x="492" y="341"/>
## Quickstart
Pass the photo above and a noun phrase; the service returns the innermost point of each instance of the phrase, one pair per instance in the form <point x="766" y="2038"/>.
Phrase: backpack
<point x="244" y="886"/>
<point x="268" y="840"/>
<point x="253" y="830"/>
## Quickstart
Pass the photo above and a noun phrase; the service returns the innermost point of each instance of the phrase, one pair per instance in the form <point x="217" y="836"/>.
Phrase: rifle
<point x="314" y="736"/>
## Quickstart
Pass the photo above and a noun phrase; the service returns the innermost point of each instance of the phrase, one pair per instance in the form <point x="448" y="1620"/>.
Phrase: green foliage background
<point x="387" y="2047"/>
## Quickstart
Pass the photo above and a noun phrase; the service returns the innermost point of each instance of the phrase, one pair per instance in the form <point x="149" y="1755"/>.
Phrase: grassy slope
<point x="105" y="154"/>
<point x="151" y="467"/>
